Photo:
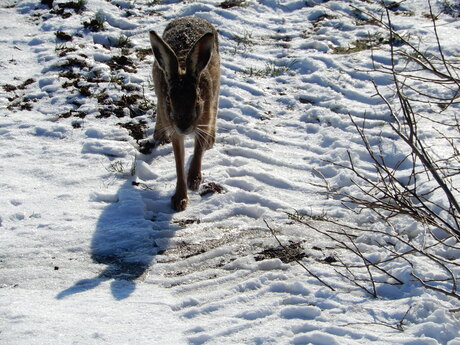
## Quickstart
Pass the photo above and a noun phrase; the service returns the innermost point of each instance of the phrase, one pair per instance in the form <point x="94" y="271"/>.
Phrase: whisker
<point x="203" y="136"/>
<point x="199" y="136"/>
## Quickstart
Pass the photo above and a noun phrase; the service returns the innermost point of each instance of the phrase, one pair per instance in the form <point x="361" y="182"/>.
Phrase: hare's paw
<point x="161" y="137"/>
<point x="179" y="202"/>
<point x="194" y="180"/>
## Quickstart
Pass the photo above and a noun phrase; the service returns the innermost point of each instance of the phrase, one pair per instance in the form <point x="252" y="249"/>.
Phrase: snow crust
<point x="90" y="250"/>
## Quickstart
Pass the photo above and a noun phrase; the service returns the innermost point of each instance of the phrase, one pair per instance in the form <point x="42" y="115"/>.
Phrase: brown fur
<point x="186" y="77"/>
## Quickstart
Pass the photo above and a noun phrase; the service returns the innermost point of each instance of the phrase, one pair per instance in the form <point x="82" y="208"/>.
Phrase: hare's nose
<point x="184" y="130"/>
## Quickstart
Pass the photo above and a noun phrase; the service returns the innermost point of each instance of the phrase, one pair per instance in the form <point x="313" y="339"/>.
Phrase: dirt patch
<point x="136" y="129"/>
<point x="18" y="100"/>
<point x="184" y="222"/>
<point x="142" y="53"/>
<point x="211" y="188"/>
<point x="94" y="25"/>
<point x="287" y="254"/>
<point x="74" y="113"/>
<point x="146" y="146"/>
<point x="122" y="62"/>
<point x="232" y="3"/>
<point x="75" y="63"/>
<point x="22" y="86"/>
<point x="62" y="36"/>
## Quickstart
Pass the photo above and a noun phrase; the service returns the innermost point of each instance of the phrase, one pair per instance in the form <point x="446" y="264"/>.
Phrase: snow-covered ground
<point x="90" y="250"/>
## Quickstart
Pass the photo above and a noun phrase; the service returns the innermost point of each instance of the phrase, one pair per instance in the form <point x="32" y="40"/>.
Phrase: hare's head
<point x="183" y="101"/>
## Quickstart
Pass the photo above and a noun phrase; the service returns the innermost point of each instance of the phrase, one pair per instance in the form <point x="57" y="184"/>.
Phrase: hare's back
<point x="182" y="33"/>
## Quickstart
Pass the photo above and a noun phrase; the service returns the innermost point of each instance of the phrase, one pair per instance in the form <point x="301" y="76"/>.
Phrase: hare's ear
<point x="199" y="56"/>
<point x="165" y="56"/>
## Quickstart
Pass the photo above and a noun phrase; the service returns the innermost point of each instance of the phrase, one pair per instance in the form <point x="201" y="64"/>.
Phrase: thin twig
<point x="371" y="324"/>
<point x="435" y="288"/>
<point x="297" y="261"/>
<point x="399" y="325"/>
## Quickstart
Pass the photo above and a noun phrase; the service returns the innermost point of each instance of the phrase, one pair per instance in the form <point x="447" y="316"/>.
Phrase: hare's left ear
<point x="165" y="56"/>
<point x="199" y="56"/>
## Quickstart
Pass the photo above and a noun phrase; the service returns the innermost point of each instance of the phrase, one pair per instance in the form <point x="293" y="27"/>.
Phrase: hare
<point x="186" y="76"/>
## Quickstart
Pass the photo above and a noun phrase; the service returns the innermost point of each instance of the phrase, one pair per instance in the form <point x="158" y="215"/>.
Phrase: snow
<point x="90" y="249"/>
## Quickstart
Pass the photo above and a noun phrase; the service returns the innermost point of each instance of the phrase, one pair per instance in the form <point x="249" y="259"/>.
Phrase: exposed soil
<point x="287" y="254"/>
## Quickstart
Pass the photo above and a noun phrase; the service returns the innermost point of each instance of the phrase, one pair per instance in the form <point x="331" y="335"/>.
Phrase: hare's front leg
<point x="179" y="200"/>
<point x="194" y="171"/>
<point x="204" y="140"/>
<point x="161" y="134"/>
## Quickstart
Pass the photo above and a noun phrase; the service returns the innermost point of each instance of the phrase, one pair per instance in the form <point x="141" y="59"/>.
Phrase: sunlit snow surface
<point x="89" y="257"/>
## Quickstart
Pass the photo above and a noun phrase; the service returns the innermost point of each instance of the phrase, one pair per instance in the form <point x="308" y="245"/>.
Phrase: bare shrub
<point x="423" y="185"/>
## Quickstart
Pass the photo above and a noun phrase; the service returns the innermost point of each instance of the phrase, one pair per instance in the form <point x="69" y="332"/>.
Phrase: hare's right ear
<point x="200" y="54"/>
<point x="165" y="56"/>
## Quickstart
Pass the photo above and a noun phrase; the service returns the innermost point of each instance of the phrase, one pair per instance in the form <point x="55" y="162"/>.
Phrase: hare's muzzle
<point x="183" y="119"/>
<point x="183" y="130"/>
